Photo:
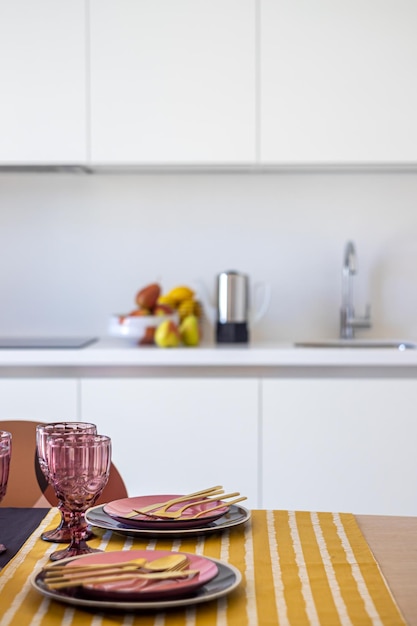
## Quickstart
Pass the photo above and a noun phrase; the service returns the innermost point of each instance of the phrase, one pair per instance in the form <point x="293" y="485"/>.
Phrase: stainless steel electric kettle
<point x="232" y="324"/>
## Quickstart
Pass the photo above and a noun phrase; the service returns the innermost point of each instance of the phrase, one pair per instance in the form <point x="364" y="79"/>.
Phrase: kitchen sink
<point x="395" y="344"/>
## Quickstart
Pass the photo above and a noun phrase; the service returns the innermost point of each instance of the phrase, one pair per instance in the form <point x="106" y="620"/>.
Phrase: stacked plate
<point x="120" y="516"/>
<point x="213" y="580"/>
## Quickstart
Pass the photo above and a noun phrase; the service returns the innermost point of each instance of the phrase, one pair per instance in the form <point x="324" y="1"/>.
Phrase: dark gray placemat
<point x="16" y="525"/>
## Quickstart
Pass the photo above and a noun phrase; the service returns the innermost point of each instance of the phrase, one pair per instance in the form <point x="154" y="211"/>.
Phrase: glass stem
<point x="78" y="527"/>
<point x="65" y="514"/>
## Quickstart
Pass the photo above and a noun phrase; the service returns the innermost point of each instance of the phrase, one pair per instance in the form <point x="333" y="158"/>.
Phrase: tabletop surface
<point x="393" y="541"/>
<point x="267" y="543"/>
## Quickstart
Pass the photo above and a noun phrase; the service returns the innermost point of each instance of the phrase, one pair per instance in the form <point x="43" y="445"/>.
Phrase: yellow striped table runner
<point x="298" y="568"/>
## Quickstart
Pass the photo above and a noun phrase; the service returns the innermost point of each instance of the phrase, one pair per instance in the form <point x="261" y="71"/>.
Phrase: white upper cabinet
<point x="208" y="82"/>
<point x="339" y="81"/>
<point x="43" y="82"/>
<point x="172" y="82"/>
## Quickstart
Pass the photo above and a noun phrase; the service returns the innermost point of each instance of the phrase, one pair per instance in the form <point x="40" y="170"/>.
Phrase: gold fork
<point x="164" y="514"/>
<point x="215" y="508"/>
<point x="163" y="506"/>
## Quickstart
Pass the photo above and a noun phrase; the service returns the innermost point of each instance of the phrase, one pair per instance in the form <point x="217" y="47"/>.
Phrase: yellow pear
<point x="167" y="335"/>
<point x="189" y="331"/>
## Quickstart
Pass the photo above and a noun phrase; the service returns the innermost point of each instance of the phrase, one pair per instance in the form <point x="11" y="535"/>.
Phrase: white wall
<point x="75" y="247"/>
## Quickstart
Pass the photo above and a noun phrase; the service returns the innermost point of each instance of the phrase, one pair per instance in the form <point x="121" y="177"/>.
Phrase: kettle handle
<point x="208" y="308"/>
<point x="265" y="290"/>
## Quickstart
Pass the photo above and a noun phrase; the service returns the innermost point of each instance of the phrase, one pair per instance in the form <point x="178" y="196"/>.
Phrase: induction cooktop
<point x="39" y="343"/>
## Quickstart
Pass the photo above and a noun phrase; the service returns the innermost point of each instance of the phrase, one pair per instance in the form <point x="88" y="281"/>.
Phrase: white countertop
<point x="118" y="353"/>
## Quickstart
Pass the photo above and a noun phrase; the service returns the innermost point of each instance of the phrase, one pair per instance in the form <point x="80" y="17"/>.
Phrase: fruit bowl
<point x="138" y="329"/>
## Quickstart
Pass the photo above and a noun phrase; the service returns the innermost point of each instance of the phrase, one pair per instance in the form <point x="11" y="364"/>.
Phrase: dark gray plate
<point x="227" y="579"/>
<point x="234" y="517"/>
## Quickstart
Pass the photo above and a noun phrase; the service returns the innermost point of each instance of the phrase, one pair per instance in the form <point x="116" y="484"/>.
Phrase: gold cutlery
<point x="162" y="506"/>
<point x="164" y="514"/>
<point x="60" y="583"/>
<point x="171" y="562"/>
<point x="166" y="567"/>
<point x="215" y="508"/>
<point x="56" y="572"/>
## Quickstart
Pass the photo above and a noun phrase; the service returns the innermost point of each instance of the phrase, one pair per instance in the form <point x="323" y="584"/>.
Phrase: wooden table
<point x="393" y="540"/>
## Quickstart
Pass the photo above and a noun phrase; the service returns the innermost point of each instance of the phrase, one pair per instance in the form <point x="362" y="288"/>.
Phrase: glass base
<point x="72" y="551"/>
<point x="62" y="534"/>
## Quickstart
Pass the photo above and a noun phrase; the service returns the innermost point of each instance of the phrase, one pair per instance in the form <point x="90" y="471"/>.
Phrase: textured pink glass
<point x="60" y="534"/>
<point x="79" y="466"/>
<point x="5" y="455"/>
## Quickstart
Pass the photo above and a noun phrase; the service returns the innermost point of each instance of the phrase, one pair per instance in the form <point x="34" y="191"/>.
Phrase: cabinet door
<point x="43" y="82"/>
<point x="178" y="436"/>
<point x="340" y="445"/>
<point x="43" y="400"/>
<point x="172" y="82"/>
<point x="338" y="81"/>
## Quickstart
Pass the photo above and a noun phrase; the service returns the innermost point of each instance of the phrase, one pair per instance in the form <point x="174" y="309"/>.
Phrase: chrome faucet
<point x="348" y="321"/>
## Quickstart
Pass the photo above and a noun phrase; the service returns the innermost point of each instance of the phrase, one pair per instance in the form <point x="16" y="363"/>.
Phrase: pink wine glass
<point x="60" y="534"/>
<point x="5" y="455"/>
<point x="79" y="467"/>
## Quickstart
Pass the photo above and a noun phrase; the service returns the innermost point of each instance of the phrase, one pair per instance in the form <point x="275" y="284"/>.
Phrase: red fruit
<point x="148" y="337"/>
<point x="134" y="313"/>
<point x="162" y="309"/>
<point x="139" y="313"/>
<point x="146" y="298"/>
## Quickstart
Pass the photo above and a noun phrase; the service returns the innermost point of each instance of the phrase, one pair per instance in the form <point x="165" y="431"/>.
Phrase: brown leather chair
<point x="27" y="486"/>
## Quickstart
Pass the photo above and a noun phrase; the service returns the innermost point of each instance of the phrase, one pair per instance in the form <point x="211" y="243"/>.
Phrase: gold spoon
<point x="170" y="562"/>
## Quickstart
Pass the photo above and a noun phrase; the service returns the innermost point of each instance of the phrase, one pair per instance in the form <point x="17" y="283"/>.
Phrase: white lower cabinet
<point x="178" y="435"/>
<point x="340" y="445"/>
<point x="41" y="399"/>
<point x="334" y="444"/>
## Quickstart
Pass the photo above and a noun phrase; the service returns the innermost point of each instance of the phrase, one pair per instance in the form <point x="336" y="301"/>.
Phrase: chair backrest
<point x="27" y="486"/>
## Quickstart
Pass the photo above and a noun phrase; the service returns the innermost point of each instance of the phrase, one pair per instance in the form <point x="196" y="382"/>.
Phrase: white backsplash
<point x="75" y="247"/>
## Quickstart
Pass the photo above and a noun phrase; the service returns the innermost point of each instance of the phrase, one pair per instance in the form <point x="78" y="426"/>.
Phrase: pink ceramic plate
<point x="121" y="510"/>
<point x="145" y="589"/>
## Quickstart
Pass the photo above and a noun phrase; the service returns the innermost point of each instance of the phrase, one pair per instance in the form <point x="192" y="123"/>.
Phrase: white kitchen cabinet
<point x="177" y="435"/>
<point x="39" y="399"/>
<point x="340" y="445"/>
<point x="172" y="82"/>
<point x="338" y="81"/>
<point x="43" y="116"/>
